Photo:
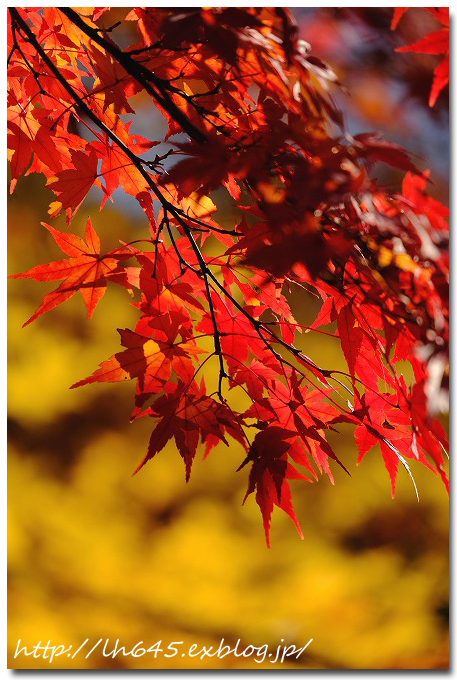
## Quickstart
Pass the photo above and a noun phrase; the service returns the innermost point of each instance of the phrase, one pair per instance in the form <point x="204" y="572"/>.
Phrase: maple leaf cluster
<point x="254" y="104"/>
<point x="432" y="43"/>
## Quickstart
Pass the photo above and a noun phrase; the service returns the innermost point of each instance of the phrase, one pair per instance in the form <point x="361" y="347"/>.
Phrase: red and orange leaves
<point x="221" y="294"/>
<point x="84" y="270"/>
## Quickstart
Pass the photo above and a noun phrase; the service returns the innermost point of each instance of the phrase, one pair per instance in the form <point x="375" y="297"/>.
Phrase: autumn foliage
<point x="248" y="111"/>
<point x="432" y="43"/>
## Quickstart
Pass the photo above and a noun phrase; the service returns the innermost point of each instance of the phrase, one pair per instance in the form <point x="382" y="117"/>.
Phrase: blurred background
<point x="96" y="553"/>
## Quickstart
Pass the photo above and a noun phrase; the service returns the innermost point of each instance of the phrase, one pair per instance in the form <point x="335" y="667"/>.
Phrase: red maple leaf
<point x="188" y="414"/>
<point x="269" y="474"/>
<point x="436" y="42"/>
<point x="71" y="186"/>
<point x="150" y="361"/>
<point x="84" y="270"/>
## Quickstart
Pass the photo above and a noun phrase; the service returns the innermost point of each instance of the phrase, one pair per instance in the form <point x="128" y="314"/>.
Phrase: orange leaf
<point x="84" y="270"/>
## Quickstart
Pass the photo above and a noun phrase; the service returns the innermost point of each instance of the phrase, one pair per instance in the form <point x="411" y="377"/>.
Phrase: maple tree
<point x="251" y="104"/>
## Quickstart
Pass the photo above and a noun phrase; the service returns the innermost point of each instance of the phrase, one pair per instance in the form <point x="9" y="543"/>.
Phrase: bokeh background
<point x="96" y="553"/>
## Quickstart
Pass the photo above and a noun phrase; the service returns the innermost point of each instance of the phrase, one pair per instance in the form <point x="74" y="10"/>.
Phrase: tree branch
<point x="154" y="86"/>
<point x="207" y="274"/>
